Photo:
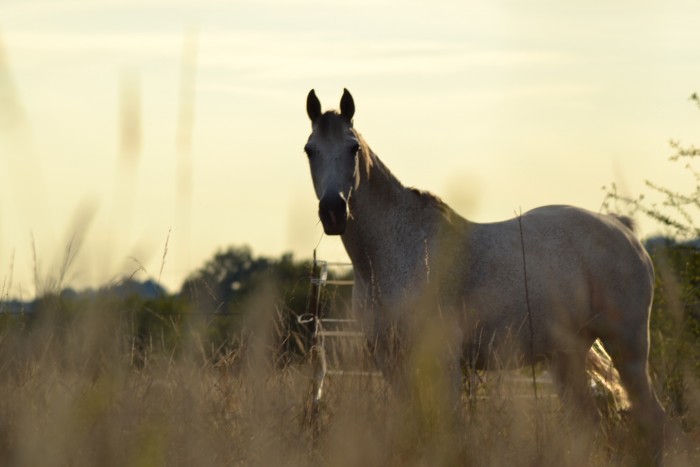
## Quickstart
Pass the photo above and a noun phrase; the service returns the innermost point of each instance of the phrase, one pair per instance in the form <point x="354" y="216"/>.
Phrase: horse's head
<point x="333" y="151"/>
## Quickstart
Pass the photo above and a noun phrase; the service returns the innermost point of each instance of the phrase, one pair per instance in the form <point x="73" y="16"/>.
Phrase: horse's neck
<point x="388" y="228"/>
<point x="379" y="187"/>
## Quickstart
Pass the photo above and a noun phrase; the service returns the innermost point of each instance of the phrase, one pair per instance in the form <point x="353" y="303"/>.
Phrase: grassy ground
<point x="80" y="392"/>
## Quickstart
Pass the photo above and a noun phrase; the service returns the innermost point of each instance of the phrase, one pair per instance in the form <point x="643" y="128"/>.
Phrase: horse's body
<point x="542" y="286"/>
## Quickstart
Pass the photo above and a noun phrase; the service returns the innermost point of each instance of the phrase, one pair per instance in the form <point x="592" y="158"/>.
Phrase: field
<point x="81" y="385"/>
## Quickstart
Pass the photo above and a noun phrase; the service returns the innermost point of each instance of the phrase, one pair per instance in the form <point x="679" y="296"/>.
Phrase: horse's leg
<point x="629" y="352"/>
<point x="571" y="382"/>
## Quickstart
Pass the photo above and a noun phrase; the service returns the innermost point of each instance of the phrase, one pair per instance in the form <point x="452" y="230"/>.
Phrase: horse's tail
<point x="605" y="378"/>
<point x="626" y="221"/>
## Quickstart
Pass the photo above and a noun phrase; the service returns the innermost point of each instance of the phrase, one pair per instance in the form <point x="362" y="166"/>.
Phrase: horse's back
<point x="602" y="241"/>
<point x="558" y="235"/>
<point x="605" y="244"/>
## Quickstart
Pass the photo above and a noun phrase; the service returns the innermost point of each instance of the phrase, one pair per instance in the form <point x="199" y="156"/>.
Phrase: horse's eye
<point x="355" y="148"/>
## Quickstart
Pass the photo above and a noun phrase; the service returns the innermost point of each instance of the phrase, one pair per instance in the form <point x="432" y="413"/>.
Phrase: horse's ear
<point x="347" y="106"/>
<point x="313" y="106"/>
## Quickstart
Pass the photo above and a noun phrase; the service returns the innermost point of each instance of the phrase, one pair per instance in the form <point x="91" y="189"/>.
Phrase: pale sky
<point x="494" y="106"/>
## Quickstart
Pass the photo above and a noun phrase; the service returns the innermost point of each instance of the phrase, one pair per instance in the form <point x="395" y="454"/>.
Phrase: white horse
<point x="542" y="287"/>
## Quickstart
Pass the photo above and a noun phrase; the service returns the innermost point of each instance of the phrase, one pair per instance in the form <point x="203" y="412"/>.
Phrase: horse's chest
<point x="397" y="309"/>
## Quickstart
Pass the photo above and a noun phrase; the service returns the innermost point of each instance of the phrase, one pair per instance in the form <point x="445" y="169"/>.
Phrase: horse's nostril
<point x="332" y="210"/>
<point x="333" y="203"/>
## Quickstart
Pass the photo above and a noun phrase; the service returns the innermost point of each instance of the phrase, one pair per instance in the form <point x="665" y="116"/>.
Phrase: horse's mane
<point x="430" y="199"/>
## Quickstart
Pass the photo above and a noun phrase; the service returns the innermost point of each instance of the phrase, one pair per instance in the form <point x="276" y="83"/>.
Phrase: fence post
<point x="317" y="359"/>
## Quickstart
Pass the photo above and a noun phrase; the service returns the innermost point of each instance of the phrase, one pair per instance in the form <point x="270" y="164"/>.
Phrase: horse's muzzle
<point x="333" y="211"/>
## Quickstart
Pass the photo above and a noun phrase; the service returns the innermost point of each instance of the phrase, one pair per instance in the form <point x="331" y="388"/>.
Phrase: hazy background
<point x="126" y="124"/>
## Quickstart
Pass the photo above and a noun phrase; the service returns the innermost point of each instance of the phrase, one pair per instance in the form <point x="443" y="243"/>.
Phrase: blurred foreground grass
<point x="86" y="382"/>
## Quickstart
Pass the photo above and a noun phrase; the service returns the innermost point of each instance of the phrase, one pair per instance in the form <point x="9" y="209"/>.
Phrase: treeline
<point x="233" y="298"/>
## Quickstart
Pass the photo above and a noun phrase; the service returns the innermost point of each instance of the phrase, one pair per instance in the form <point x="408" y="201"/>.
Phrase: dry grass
<point x="75" y="394"/>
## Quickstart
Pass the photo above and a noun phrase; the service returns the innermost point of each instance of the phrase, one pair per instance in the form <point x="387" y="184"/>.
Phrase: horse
<point x="543" y="286"/>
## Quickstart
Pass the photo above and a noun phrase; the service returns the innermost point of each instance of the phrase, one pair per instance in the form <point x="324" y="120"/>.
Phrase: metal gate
<point x="323" y="328"/>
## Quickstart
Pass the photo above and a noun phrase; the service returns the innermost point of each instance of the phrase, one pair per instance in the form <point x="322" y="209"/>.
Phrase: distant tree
<point x="225" y="280"/>
<point x="675" y="323"/>
<point x="148" y="289"/>
<point x="235" y="286"/>
<point x="677" y="210"/>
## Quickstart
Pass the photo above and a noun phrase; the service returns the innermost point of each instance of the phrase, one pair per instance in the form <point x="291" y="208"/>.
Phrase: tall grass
<point x="74" y="392"/>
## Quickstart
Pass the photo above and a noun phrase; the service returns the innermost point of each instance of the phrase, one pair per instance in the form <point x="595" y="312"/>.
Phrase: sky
<point x="140" y="137"/>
